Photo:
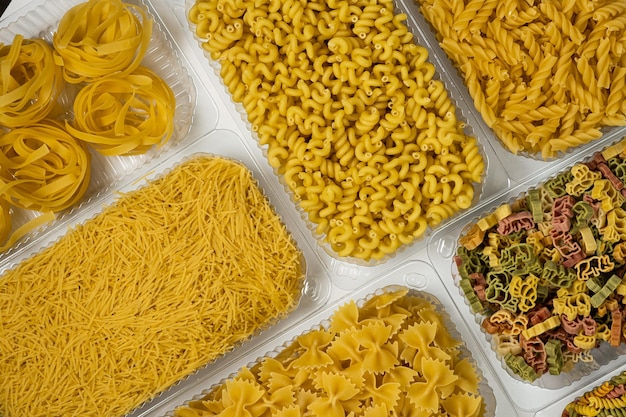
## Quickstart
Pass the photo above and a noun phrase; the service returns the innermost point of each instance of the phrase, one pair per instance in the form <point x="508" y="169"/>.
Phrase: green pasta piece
<point x="471" y="263"/>
<point x="533" y="201"/>
<point x="519" y="259"/>
<point x="554" y="350"/>
<point x="598" y="298"/>
<point x="557" y="275"/>
<point x="555" y="187"/>
<point x="520" y="367"/>
<point x="468" y="290"/>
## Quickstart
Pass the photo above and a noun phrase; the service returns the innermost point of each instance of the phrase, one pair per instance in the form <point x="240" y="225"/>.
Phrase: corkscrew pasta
<point x="350" y="113"/>
<point x="30" y="82"/>
<point x="392" y="355"/>
<point x="546" y="76"/>
<point x="606" y="399"/>
<point x="97" y="38"/>
<point x="160" y="283"/>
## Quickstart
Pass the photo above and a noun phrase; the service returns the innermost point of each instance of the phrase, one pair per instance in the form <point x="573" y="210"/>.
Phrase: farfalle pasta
<point x="30" y="82"/>
<point x="98" y="38"/>
<point x="545" y="76"/>
<point x="392" y="355"/>
<point x="350" y="113"/>
<point x="545" y="273"/>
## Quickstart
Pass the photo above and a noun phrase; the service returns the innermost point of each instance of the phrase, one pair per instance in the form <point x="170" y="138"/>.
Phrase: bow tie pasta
<point x="393" y="355"/>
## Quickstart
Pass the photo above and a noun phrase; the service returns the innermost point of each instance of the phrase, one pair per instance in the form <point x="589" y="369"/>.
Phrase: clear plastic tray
<point x="417" y="276"/>
<point x="162" y="56"/>
<point x="491" y="181"/>
<point x="441" y="250"/>
<point x="315" y="288"/>
<point x="518" y="167"/>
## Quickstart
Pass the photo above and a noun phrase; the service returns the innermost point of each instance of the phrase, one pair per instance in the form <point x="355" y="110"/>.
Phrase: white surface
<point x="229" y="120"/>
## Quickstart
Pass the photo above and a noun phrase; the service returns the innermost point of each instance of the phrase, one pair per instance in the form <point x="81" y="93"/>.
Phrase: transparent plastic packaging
<point x="490" y="182"/>
<point x="510" y="24"/>
<point x="442" y="250"/>
<point x="314" y="286"/>
<point x="421" y="280"/>
<point x="162" y="57"/>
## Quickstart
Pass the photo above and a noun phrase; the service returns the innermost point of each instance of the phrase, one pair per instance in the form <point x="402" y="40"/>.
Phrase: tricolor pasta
<point x="350" y="113"/>
<point x="162" y="282"/>
<point x="606" y="399"/>
<point x="393" y="355"/>
<point x="546" y="76"/>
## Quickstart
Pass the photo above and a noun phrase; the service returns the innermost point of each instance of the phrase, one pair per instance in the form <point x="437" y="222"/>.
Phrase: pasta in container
<point x="544" y="273"/>
<point x="394" y="352"/>
<point x="546" y="77"/>
<point x="162" y="282"/>
<point x="62" y="153"/>
<point x="350" y="114"/>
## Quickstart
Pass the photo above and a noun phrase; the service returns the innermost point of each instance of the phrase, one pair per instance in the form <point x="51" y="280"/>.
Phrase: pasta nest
<point x="30" y="82"/>
<point x="101" y="37"/>
<point x="42" y="167"/>
<point x="124" y="115"/>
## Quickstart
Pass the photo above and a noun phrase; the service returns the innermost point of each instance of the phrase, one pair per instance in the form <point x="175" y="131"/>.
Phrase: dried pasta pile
<point x="353" y="119"/>
<point x="121" y="108"/>
<point x="605" y="400"/>
<point x="160" y="283"/>
<point x="393" y="356"/>
<point x="546" y="76"/>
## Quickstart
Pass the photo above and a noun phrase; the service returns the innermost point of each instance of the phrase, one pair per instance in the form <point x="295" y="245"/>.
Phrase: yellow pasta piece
<point x="30" y="82"/>
<point x="347" y="106"/>
<point x="124" y="115"/>
<point x="368" y="373"/>
<point x="42" y="167"/>
<point x="547" y="77"/>
<point x="160" y="283"/>
<point x="98" y="38"/>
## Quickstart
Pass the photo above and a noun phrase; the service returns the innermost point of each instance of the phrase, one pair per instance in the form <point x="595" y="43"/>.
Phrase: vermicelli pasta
<point x="163" y="281"/>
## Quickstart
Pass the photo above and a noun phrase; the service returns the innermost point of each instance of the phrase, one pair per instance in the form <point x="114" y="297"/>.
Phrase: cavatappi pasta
<point x="393" y="356"/>
<point x="124" y="114"/>
<point x="546" y="76"/>
<point x="163" y="281"/>
<point x="97" y="38"/>
<point x="30" y="82"/>
<point x="42" y="167"/>
<point x="348" y="109"/>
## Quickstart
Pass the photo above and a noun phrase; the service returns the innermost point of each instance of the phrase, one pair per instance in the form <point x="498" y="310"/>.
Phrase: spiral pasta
<point x="124" y="115"/>
<point x="535" y="56"/>
<point x="351" y="114"/>
<point x="101" y="37"/>
<point x="30" y="82"/>
<point x="42" y="167"/>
